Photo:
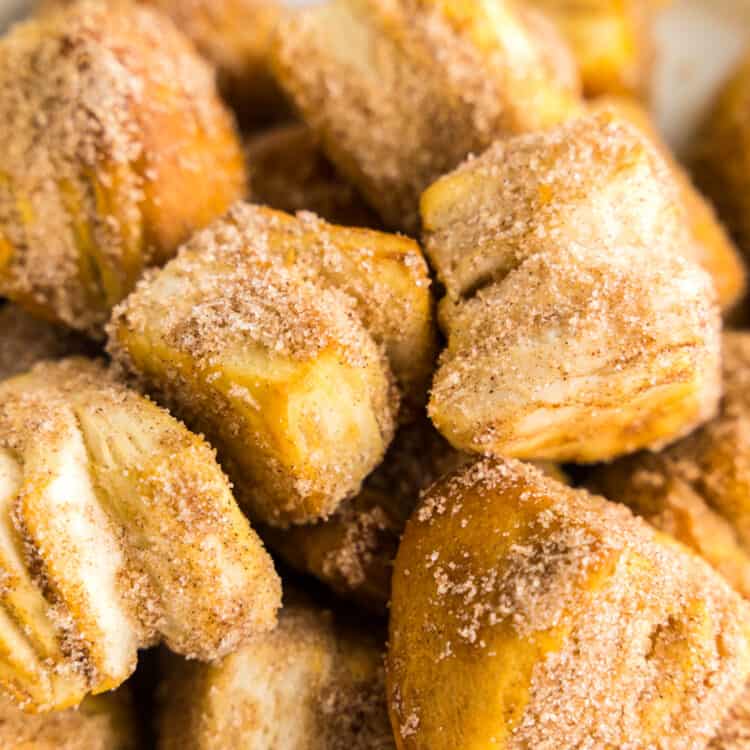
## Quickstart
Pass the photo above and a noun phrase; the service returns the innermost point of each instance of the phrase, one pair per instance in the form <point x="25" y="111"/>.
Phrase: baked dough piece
<point x="576" y="331"/>
<point x="117" y="530"/>
<point x="25" y="340"/>
<point x="720" y="156"/>
<point x="611" y="41"/>
<point x="698" y="490"/>
<point x="279" y="337"/>
<point x="528" y="614"/>
<point x="102" y="722"/>
<point x="711" y="248"/>
<point x="117" y="148"/>
<point x="401" y="91"/>
<point x="312" y="684"/>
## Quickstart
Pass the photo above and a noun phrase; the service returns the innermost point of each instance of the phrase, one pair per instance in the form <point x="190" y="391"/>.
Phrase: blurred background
<point x="698" y="42"/>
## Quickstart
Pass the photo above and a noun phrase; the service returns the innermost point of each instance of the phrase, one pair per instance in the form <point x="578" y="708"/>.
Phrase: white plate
<point x="699" y="42"/>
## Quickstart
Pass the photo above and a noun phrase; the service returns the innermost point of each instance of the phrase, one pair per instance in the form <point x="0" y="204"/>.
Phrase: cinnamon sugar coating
<point x="611" y="41"/>
<point x="711" y="248"/>
<point x="118" y="530"/>
<point x="277" y="337"/>
<point x="526" y="614"/>
<point x="720" y="154"/>
<point x="401" y="91"/>
<point x="576" y="331"/>
<point x="25" y="340"/>
<point x="291" y="173"/>
<point x="385" y="275"/>
<point x="312" y="684"/>
<point x="102" y="722"/>
<point x="594" y="182"/>
<point x="235" y="37"/>
<point x="353" y="550"/>
<point x="698" y="490"/>
<point x="734" y="733"/>
<point x="117" y="147"/>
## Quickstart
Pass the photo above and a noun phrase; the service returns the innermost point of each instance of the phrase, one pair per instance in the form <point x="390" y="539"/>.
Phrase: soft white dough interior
<point x="90" y="560"/>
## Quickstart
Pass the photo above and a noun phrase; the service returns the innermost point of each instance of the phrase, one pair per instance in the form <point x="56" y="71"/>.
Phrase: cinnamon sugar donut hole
<point x="529" y="614"/>
<point x="400" y="92"/>
<point x="118" y="530"/>
<point x="317" y="682"/>
<point x="291" y="343"/>
<point x="117" y="148"/>
<point x="576" y="330"/>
